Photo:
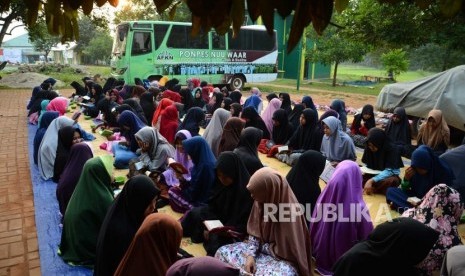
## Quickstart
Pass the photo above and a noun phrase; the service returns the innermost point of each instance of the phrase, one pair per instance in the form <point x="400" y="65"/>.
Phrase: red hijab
<point x="164" y="103"/>
<point x="174" y="96"/>
<point x="169" y="123"/>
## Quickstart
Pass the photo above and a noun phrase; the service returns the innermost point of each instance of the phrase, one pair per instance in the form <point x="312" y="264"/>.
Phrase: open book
<point x="283" y="150"/>
<point x="327" y="172"/>
<point x="215" y="226"/>
<point x="177" y="167"/>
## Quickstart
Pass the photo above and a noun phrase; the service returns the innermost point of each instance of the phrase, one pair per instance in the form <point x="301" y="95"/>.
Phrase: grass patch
<point x="346" y="73"/>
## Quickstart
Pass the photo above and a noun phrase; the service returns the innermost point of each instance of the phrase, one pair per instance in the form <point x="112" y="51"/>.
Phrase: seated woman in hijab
<point x="137" y="108"/>
<point x="271" y="96"/>
<point x="196" y="191"/>
<point x="168" y="178"/>
<point x="192" y="121"/>
<point x="306" y="137"/>
<point x="162" y="105"/>
<point x="230" y="203"/>
<point x="226" y="104"/>
<point x="255" y="100"/>
<point x="187" y="99"/>
<point x="78" y="156"/>
<point x="154" y="153"/>
<point x="107" y="106"/>
<point x="326" y="114"/>
<point x="124" y="217"/>
<point x="344" y="190"/>
<point x="215" y="102"/>
<point x="307" y="102"/>
<point x="340" y="107"/>
<point x="247" y="149"/>
<point x="361" y="124"/>
<point x="381" y="155"/>
<point x="435" y="132"/>
<point x="198" y="100"/>
<point x="47" y="119"/>
<point x="235" y="110"/>
<point x="398" y="130"/>
<point x="154" y="247"/>
<point x="286" y="102"/>
<point x="58" y="104"/>
<point x="252" y="119"/>
<point x="214" y="129"/>
<point x="336" y="144"/>
<point x="147" y="104"/>
<point x="402" y="242"/>
<point x="267" y="115"/>
<point x="96" y="94"/>
<point x="294" y="117"/>
<point x="86" y="211"/>
<point x="236" y="96"/>
<point x="201" y="266"/>
<point x="231" y="134"/>
<point x="441" y="210"/>
<point x="130" y="124"/>
<point x="67" y="137"/>
<point x="137" y="92"/>
<point x="48" y="147"/>
<point x="454" y="158"/>
<point x="426" y="170"/>
<point x="273" y="247"/>
<point x="282" y="130"/>
<point x="34" y="111"/>
<point x="169" y="123"/>
<point x="304" y="177"/>
<point x="43" y="109"/>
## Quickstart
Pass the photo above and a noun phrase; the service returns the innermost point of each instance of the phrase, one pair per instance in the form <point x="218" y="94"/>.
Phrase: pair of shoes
<point x="162" y="202"/>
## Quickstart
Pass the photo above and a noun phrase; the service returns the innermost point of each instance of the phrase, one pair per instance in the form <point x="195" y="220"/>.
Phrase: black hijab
<point x="283" y="132"/>
<point x="137" y="109"/>
<point x="121" y="223"/>
<point x="286" y="102"/>
<point x="271" y="96"/>
<point x="237" y="109"/>
<point x="40" y="96"/>
<point x="219" y="99"/>
<point x="147" y="105"/>
<point x="105" y="106"/>
<point x="186" y="98"/>
<point x="98" y="93"/>
<point x="307" y="136"/>
<point x="235" y="96"/>
<point x="232" y="204"/>
<point x="65" y="141"/>
<point x="304" y="177"/>
<point x="198" y="102"/>
<point x="369" y="124"/>
<point x="254" y="120"/>
<point x="393" y="248"/>
<point x="399" y="132"/>
<point x="192" y="121"/>
<point x="247" y="148"/>
<point x="294" y="117"/>
<point x="227" y="103"/>
<point x="387" y="155"/>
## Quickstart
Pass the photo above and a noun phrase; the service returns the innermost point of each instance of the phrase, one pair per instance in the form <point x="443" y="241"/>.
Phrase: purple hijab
<point x="78" y="156"/>
<point x="180" y="157"/>
<point x="330" y="240"/>
<point x="267" y="115"/>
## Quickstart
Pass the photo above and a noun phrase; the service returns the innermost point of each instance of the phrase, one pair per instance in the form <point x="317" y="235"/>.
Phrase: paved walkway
<point x="19" y="253"/>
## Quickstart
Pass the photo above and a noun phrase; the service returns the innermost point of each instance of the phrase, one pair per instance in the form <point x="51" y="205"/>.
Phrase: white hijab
<point x="214" y="129"/>
<point x="48" y="146"/>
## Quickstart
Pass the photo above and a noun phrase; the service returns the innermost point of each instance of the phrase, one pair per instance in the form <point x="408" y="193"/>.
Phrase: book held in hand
<point x="284" y="150"/>
<point x="414" y="200"/>
<point x="327" y="172"/>
<point x="177" y="167"/>
<point x="366" y="170"/>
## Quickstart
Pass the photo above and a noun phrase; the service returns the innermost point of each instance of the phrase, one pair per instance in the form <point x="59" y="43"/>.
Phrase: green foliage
<point x="99" y="48"/>
<point x="41" y="39"/>
<point x="395" y="61"/>
<point x="145" y="10"/>
<point x="334" y="47"/>
<point x="16" y="11"/>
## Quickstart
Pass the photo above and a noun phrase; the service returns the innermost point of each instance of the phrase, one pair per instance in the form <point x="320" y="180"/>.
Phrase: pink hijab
<point x="267" y="115"/>
<point x="58" y="104"/>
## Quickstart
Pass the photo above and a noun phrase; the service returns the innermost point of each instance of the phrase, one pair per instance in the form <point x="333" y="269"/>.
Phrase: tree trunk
<point x="5" y="25"/>
<point x="446" y="59"/>
<point x="335" y="73"/>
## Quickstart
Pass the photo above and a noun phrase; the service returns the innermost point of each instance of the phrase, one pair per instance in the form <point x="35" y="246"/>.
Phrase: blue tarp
<point x="48" y="221"/>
